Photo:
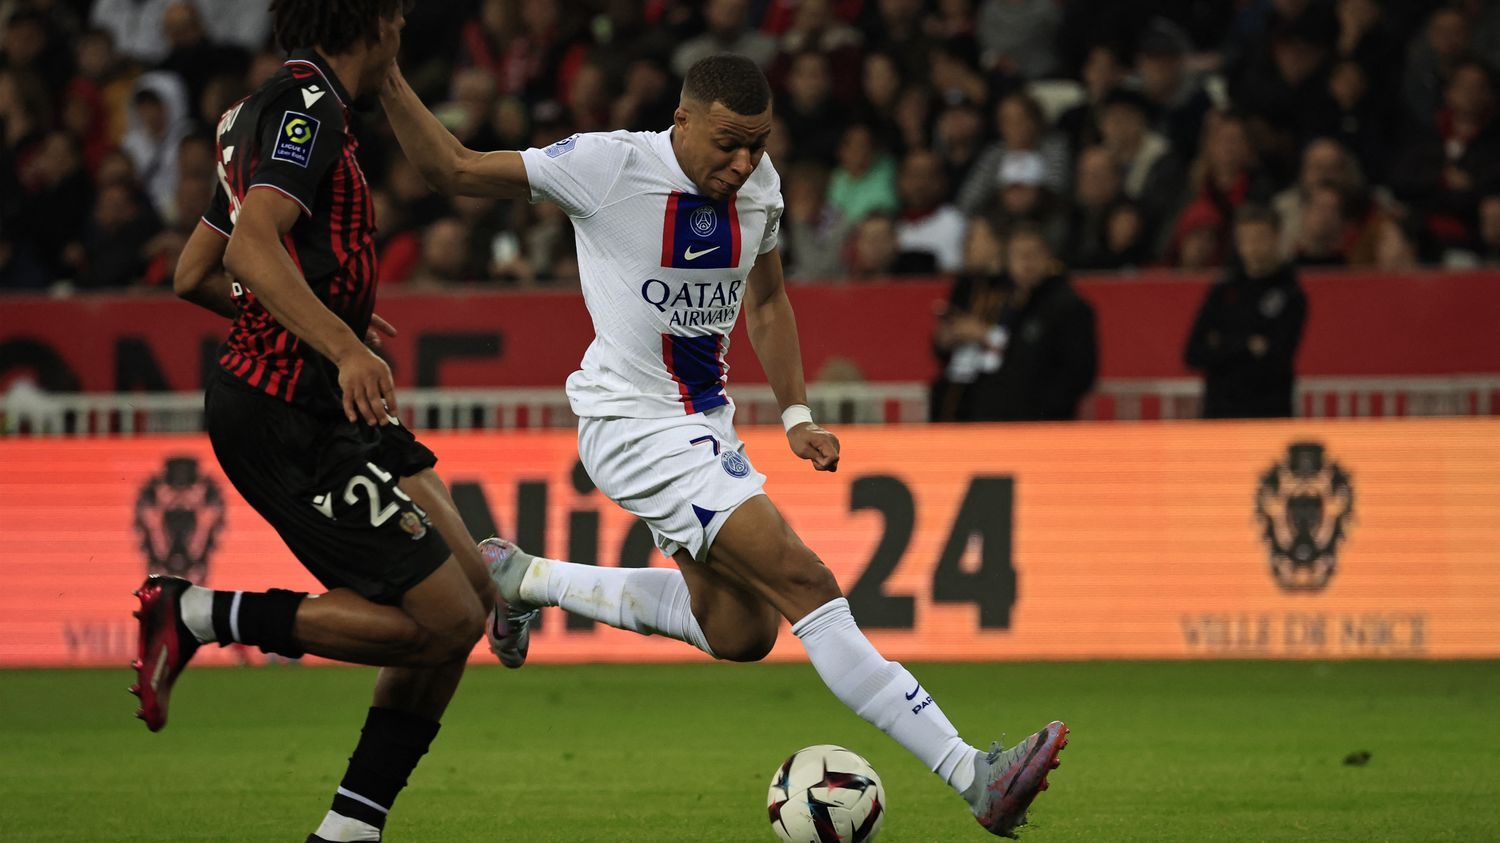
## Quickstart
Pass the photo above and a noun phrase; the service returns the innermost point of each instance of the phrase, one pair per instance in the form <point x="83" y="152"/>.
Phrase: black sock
<point x="263" y="619"/>
<point x="390" y="746"/>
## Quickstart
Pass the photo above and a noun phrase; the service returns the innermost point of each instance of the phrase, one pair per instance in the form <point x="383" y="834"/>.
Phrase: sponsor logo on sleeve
<point x="294" y="141"/>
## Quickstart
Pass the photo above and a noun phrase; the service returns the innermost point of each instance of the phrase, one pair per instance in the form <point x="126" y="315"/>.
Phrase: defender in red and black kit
<point x="303" y="418"/>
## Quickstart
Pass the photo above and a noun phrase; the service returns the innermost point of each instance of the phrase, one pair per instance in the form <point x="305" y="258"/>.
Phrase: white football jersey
<point x="663" y="268"/>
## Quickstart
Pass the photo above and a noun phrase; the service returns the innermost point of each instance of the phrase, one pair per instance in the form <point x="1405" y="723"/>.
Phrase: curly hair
<point x="331" y="25"/>
<point x="733" y="80"/>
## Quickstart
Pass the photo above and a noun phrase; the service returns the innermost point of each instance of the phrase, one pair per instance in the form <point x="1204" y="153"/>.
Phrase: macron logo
<point x="311" y="94"/>
<point x="689" y="255"/>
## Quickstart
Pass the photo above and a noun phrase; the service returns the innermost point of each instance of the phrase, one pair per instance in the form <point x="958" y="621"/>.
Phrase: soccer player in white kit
<point x="676" y="234"/>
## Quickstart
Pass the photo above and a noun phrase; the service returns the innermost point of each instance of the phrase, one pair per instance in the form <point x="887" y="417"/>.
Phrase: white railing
<point x="1317" y="397"/>
<point x="95" y="414"/>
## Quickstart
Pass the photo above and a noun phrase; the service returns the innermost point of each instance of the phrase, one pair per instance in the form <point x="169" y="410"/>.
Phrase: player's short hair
<point x="734" y="81"/>
<point x="334" y="26"/>
<point x="1253" y="213"/>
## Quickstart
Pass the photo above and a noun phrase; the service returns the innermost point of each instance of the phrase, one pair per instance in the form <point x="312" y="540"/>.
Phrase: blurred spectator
<point x="928" y="224"/>
<point x="1023" y="128"/>
<point x="57" y="193"/>
<point x="875" y="253"/>
<point x="967" y="338"/>
<point x="1103" y="72"/>
<point x="1325" y="164"/>
<point x="812" y="235"/>
<point x="1199" y="240"/>
<point x="445" y="250"/>
<point x="865" y="180"/>
<point x="398" y="246"/>
<point x="1486" y="251"/>
<point x="648" y="101"/>
<point x="1431" y="61"/>
<point x="1283" y="93"/>
<point x="1174" y="93"/>
<point x="881" y="88"/>
<point x="1225" y="176"/>
<point x="1152" y="176"/>
<point x="237" y="23"/>
<point x="1023" y="198"/>
<point x="113" y="253"/>
<point x="729" y="31"/>
<point x="30" y="43"/>
<point x="951" y="19"/>
<point x="816" y="27"/>
<point x="897" y="31"/>
<point x="1357" y="117"/>
<point x="193" y="57"/>
<point x="1386" y="245"/>
<point x="813" y="118"/>
<point x="135" y="26"/>
<point x="1049" y="350"/>
<point x="195" y="189"/>
<point x="158" y="121"/>
<point x="1127" y="240"/>
<point x="1247" y="331"/>
<point x="1016" y="36"/>
<point x="1324" y="232"/>
<point x="984" y="252"/>
<point x="1365" y="36"/>
<point x="588" y="106"/>
<point x="958" y="139"/>
<point x="1096" y="196"/>
<point x="954" y="72"/>
<point x="1441" y="173"/>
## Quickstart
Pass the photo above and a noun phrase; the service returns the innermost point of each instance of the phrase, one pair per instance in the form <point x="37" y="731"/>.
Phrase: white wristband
<point x="795" y="415"/>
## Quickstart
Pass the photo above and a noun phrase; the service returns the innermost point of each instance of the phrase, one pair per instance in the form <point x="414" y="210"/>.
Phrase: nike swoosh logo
<point x="913" y="694"/>
<point x="311" y="95"/>
<point x="689" y="255"/>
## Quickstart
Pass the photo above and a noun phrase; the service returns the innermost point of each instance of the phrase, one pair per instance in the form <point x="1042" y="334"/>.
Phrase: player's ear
<point x="680" y="116"/>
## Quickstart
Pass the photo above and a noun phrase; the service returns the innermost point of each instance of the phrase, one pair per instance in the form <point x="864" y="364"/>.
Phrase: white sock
<point x="342" y="828"/>
<point x="197" y="607"/>
<point x="651" y="601"/>
<point x="883" y="692"/>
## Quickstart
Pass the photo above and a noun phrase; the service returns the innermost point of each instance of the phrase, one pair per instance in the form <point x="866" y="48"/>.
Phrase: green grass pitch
<point x="1243" y="751"/>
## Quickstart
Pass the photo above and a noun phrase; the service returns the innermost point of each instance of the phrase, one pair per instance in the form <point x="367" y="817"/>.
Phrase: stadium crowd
<point x="910" y="135"/>
<point x="913" y="138"/>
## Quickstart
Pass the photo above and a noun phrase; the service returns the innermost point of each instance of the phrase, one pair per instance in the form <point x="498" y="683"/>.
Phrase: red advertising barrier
<point x="1293" y="539"/>
<point x="1359" y="324"/>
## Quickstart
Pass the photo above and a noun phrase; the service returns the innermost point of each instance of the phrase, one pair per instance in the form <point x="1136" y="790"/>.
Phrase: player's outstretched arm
<point x="773" y="335"/>
<point x="255" y="255"/>
<point x="449" y="166"/>
<point x="199" y="277"/>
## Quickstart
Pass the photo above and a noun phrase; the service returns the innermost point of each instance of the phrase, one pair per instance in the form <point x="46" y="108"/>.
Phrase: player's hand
<point x="369" y="391"/>
<point x="811" y="442"/>
<point x="378" y="327"/>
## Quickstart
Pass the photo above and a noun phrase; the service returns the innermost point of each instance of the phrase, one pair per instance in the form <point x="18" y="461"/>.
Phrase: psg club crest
<point x="178" y="515"/>
<point x="704" y="221"/>
<point x="734" y="464"/>
<point x="1304" y="504"/>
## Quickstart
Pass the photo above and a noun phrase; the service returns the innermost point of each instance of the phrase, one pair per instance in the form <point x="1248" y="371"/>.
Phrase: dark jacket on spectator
<point x="1051" y="357"/>
<point x="1238" y="383"/>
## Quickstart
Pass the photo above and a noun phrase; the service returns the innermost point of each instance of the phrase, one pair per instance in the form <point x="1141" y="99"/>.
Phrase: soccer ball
<point x="826" y="794"/>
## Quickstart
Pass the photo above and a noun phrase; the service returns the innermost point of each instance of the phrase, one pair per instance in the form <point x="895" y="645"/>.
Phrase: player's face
<point x="720" y="149"/>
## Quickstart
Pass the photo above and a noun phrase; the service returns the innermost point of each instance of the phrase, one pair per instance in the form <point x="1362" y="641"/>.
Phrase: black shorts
<point x="329" y="488"/>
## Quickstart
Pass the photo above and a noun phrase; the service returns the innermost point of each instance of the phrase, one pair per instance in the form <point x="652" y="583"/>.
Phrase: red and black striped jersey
<point x="293" y="135"/>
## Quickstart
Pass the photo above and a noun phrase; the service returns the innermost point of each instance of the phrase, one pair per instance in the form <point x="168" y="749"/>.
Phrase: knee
<point x="805" y="575"/>
<point x="455" y="639"/>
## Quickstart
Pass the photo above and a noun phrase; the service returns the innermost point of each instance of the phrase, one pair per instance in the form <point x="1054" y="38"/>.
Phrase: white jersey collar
<point x="662" y="143"/>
